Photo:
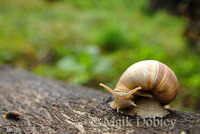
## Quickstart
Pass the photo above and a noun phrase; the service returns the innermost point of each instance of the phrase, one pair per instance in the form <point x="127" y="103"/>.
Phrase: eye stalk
<point x="122" y="100"/>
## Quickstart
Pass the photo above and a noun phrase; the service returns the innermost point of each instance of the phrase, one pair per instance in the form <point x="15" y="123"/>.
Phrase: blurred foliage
<point x="90" y="41"/>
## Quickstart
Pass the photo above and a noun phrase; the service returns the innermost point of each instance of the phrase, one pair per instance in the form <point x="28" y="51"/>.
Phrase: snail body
<point x="145" y="79"/>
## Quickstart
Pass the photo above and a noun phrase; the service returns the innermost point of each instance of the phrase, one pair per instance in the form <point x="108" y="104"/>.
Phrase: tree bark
<point x="49" y="106"/>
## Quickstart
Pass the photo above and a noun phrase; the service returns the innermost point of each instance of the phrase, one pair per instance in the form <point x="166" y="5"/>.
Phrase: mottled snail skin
<point x="149" y="78"/>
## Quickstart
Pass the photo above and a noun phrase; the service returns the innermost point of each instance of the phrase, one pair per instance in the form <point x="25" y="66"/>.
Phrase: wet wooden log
<point x="49" y="106"/>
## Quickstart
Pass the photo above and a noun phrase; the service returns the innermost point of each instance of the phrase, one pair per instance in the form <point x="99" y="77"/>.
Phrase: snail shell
<point x="154" y="77"/>
<point x="149" y="78"/>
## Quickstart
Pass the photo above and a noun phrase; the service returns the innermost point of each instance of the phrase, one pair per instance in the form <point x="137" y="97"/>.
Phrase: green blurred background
<point x="86" y="42"/>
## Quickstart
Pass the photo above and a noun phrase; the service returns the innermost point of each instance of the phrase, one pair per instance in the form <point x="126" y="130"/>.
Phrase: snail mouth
<point x="121" y="102"/>
<point x="117" y="107"/>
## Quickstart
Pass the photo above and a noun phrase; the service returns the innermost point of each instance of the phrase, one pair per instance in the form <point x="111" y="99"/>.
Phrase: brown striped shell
<point x="154" y="77"/>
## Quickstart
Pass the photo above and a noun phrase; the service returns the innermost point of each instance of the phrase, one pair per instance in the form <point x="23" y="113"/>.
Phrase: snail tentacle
<point x="128" y="95"/>
<point x="108" y="88"/>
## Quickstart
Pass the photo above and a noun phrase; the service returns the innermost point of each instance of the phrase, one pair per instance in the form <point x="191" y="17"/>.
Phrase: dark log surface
<point x="49" y="106"/>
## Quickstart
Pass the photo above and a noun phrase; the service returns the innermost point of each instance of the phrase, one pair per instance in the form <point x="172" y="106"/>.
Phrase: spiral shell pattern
<point x="154" y="77"/>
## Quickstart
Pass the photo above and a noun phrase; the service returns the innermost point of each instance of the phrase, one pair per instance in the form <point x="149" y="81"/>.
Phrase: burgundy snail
<point x="144" y="88"/>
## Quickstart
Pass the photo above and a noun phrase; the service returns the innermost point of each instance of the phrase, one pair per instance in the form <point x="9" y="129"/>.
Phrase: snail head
<point x="122" y="100"/>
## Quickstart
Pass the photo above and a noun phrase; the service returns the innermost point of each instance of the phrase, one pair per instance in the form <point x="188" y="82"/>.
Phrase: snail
<point x="144" y="88"/>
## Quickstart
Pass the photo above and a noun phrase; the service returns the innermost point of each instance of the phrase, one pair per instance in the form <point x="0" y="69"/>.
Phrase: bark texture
<point x="49" y="106"/>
